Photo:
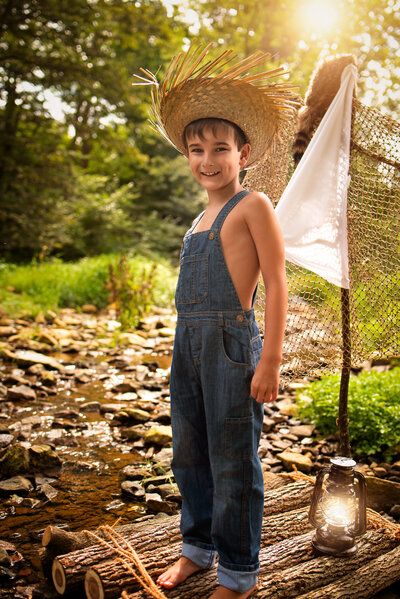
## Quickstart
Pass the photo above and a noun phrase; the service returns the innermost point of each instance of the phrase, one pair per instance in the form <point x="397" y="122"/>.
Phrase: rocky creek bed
<point x="85" y="433"/>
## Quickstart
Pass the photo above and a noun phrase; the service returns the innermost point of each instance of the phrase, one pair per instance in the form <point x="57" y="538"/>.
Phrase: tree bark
<point x="363" y="583"/>
<point x="106" y="580"/>
<point x="304" y="577"/>
<point x="291" y="567"/>
<point x="68" y="570"/>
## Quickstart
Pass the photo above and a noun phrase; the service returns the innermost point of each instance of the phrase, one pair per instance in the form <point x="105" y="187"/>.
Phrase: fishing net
<point x="317" y="317"/>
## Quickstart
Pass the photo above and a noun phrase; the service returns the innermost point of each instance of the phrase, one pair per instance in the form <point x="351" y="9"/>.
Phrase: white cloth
<point x="313" y="208"/>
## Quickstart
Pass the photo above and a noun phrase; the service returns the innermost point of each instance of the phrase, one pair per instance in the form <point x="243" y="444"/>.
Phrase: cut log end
<point x="59" y="578"/>
<point x="46" y="539"/>
<point x="93" y="585"/>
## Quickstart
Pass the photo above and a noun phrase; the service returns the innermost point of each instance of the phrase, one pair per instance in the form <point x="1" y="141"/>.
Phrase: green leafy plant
<point x="131" y="293"/>
<point x="373" y="408"/>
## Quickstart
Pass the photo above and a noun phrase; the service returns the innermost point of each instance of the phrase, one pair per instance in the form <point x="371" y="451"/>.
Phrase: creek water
<point x="93" y="454"/>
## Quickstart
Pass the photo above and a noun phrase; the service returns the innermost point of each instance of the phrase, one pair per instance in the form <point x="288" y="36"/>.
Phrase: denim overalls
<point x="216" y="424"/>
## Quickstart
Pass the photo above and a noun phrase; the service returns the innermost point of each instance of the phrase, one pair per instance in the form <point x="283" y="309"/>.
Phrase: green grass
<point x="29" y="289"/>
<point x="373" y="408"/>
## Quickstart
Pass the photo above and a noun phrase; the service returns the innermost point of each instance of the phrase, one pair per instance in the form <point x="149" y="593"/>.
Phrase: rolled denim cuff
<point x="241" y="582"/>
<point x="204" y="558"/>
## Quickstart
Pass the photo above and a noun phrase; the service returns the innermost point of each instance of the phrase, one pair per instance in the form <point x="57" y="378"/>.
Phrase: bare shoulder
<point x="258" y="206"/>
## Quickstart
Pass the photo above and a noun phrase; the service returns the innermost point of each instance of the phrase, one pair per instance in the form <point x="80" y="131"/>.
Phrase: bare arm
<point x="267" y="236"/>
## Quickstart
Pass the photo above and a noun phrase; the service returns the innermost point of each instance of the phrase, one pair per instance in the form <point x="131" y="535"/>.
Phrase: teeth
<point x="209" y="174"/>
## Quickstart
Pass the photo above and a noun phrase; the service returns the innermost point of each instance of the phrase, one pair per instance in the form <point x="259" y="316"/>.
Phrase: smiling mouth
<point x="211" y="174"/>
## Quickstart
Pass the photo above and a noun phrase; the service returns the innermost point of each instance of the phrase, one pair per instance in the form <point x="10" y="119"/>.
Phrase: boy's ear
<point x="244" y="155"/>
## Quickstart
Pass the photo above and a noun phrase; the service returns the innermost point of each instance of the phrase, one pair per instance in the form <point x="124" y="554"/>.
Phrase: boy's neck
<point x="220" y="197"/>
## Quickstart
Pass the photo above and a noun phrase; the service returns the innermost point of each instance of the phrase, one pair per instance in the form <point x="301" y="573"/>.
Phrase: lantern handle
<point x="316" y="495"/>
<point x="362" y="509"/>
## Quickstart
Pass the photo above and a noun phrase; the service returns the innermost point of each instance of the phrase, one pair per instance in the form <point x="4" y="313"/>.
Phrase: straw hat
<point x="192" y="89"/>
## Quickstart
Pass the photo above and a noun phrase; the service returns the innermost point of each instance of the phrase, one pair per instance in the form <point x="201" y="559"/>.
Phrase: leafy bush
<point x="373" y="407"/>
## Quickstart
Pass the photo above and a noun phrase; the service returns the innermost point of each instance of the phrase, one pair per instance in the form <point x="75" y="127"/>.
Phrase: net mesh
<point x="313" y="343"/>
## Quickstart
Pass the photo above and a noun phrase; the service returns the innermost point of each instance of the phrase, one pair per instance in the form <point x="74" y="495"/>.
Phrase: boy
<point x="221" y="373"/>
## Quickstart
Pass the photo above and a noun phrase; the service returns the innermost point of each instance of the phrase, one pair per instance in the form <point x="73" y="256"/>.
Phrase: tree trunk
<point x="365" y="582"/>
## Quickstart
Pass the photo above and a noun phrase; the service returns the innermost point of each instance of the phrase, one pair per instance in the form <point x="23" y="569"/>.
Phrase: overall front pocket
<point x="192" y="287"/>
<point x="234" y="344"/>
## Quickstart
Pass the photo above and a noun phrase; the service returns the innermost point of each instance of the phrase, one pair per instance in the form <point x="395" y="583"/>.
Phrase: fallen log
<point x="61" y="541"/>
<point x="363" y="583"/>
<point x="304" y="577"/>
<point x="283" y="563"/>
<point x="68" y="571"/>
<point x="106" y="579"/>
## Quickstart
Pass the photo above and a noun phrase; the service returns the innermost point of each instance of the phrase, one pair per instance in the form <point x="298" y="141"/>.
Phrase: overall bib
<point x="216" y="424"/>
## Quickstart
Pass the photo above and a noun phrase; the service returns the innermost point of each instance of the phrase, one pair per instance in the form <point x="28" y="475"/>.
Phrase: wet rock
<point x="125" y="387"/>
<point x="132" y="414"/>
<point x="110" y="408"/>
<point x="160" y="435"/>
<point x="27" y="358"/>
<point x="135" y="472"/>
<point x="4" y="558"/>
<point x="5" y="440"/>
<point x="21" y="392"/>
<point x="15" y="460"/>
<point x="133" y="433"/>
<point x="155" y="503"/>
<point x="43" y="458"/>
<point x="382" y="494"/>
<point x="3" y="390"/>
<point x="48" y="491"/>
<point x="133" y="489"/>
<point x="81" y="376"/>
<point x="290" y="459"/>
<point x="91" y="406"/>
<point x="16" y="484"/>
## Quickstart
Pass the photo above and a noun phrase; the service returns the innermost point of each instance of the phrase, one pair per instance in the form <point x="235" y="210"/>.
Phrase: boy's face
<point x="215" y="159"/>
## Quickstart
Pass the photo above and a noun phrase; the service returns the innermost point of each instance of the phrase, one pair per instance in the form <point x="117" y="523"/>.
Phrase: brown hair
<point x="197" y="128"/>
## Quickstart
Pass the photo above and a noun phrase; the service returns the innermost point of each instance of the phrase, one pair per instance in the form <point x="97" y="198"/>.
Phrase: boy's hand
<point x="265" y="382"/>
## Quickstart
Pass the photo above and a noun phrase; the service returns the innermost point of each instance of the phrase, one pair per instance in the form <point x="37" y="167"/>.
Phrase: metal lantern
<point x="338" y="508"/>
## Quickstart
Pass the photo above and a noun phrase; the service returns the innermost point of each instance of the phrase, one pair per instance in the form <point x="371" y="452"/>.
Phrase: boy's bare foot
<point x="177" y="573"/>
<point x="224" y="593"/>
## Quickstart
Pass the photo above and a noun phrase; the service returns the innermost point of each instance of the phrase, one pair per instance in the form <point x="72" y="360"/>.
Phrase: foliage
<point x="373" y="408"/>
<point x="131" y="293"/>
<point x="54" y="284"/>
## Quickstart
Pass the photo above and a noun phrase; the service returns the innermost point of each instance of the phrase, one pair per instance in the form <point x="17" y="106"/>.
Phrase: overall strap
<point x="219" y="221"/>
<point x="195" y="222"/>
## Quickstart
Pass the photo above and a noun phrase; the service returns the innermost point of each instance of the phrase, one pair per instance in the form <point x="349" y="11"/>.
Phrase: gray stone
<point x="26" y="358"/>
